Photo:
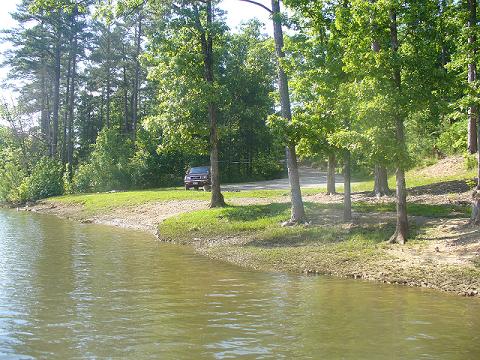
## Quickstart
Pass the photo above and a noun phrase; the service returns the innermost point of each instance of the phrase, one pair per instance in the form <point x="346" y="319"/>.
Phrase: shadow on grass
<point x="323" y="235"/>
<point x="427" y="210"/>
<point x="441" y="188"/>
<point x="255" y="212"/>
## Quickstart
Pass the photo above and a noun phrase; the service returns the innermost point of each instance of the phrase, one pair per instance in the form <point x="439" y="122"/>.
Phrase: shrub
<point x="11" y="176"/>
<point x="45" y="181"/>
<point x="266" y="166"/>
<point x="108" y="167"/>
<point x="454" y="139"/>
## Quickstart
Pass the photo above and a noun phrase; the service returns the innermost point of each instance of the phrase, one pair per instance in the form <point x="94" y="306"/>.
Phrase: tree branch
<point x="258" y="4"/>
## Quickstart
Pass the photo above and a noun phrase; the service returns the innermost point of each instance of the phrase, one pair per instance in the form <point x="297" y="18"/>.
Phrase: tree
<point x="473" y="116"/>
<point x="298" y="210"/>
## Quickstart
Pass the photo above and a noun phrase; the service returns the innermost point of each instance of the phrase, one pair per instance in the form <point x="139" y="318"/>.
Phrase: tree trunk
<point x="475" y="220"/>
<point x="217" y="199"/>
<point x="381" y="181"/>
<point x="332" y="163"/>
<point x="71" y="109"/>
<point x="126" y="122"/>
<point x="102" y="105"/>
<point x="109" y="75"/>
<point x="56" y="92"/>
<point x="136" y="90"/>
<point x="472" y="78"/>
<point x="65" y="110"/>
<point x="381" y="176"/>
<point x="45" y="126"/>
<point x="347" y="181"/>
<point x="400" y="235"/>
<point x="298" y="209"/>
<point x="473" y="118"/>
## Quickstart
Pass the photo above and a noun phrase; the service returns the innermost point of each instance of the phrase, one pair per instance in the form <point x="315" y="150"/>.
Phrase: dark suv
<point x="197" y="177"/>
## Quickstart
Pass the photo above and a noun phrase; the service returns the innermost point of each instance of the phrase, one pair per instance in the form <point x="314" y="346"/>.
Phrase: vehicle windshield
<point x="199" y="170"/>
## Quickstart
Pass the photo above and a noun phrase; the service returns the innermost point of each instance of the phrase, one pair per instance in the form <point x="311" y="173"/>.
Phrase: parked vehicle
<point x="198" y="177"/>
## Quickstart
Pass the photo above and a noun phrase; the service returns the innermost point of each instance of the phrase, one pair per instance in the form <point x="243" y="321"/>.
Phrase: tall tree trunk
<point x="298" y="209"/>
<point x="472" y="77"/>
<point x="109" y="74"/>
<point x="102" y="105"/>
<point x="332" y="163"/>
<point x="126" y="122"/>
<point x="45" y="125"/>
<point x="473" y="116"/>
<point x="136" y="90"/>
<point x="56" y="91"/>
<point x="401" y="231"/>
<point x="381" y="177"/>
<point x="347" y="181"/>
<point x="71" y="108"/>
<point x="476" y="194"/>
<point x="217" y="199"/>
<point x="66" y="109"/>
<point x="381" y="181"/>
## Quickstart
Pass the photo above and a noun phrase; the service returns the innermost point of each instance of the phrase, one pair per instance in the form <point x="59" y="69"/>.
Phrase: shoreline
<point x="414" y="265"/>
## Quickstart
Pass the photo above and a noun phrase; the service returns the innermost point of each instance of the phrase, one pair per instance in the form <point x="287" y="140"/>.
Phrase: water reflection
<point x="82" y="291"/>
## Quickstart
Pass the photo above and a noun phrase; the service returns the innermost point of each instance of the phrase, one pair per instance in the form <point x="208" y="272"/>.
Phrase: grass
<point x="263" y="224"/>
<point x="104" y="201"/>
<point x="259" y="240"/>
<point x="427" y="210"/>
<point x="110" y="200"/>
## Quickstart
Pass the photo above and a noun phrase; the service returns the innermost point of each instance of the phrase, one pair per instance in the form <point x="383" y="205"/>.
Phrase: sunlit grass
<point x="99" y="201"/>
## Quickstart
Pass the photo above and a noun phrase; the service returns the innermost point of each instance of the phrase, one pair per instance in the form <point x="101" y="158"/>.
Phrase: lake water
<point x="69" y="290"/>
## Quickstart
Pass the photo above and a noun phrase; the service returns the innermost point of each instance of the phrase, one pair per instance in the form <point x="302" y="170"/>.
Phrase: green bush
<point x="46" y="180"/>
<point x="454" y="139"/>
<point x="109" y="164"/>
<point x="266" y="166"/>
<point x="11" y="176"/>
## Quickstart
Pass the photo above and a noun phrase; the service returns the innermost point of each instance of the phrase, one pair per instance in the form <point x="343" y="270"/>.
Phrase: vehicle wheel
<point x="206" y="188"/>
<point x="187" y="188"/>
<point x="196" y="188"/>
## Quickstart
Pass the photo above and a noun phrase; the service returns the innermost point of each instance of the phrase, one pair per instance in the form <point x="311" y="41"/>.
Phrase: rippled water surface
<point x="85" y="291"/>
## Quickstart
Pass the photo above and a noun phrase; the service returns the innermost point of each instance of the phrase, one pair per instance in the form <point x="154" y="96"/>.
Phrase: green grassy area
<point x="110" y="200"/>
<point x="259" y="231"/>
<point x="264" y="222"/>
<point x="104" y="201"/>
<point x="427" y="210"/>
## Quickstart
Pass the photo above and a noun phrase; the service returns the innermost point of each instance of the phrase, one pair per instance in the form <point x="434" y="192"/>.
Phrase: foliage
<point x="454" y="139"/>
<point x="46" y="180"/>
<point x="11" y="176"/>
<point x="109" y="164"/>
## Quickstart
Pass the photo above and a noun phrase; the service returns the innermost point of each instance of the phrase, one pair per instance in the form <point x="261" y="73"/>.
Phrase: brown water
<point x="85" y="291"/>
